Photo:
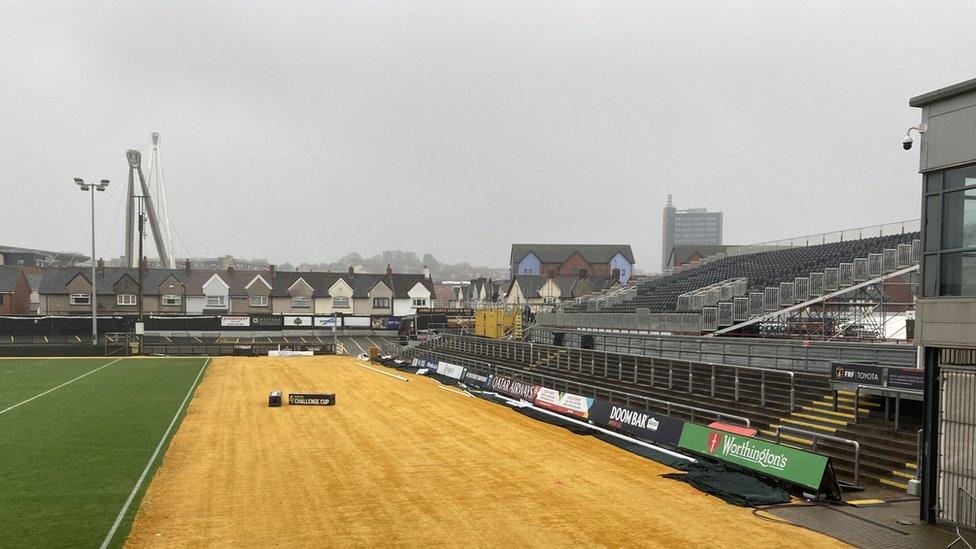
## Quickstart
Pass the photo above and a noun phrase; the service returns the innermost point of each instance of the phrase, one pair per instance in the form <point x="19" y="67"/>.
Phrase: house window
<point x="549" y="300"/>
<point x="420" y="302"/>
<point x="949" y="241"/>
<point x="172" y="300"/>
<point x="80" y="299"/>
<point x="301" y="302"/>
<point x="340" y="302"/>
<point x="216" y="301"/>
<point x="259" y="301"/>
<point x="126" y="299"/>
<point x="381" y="303"/>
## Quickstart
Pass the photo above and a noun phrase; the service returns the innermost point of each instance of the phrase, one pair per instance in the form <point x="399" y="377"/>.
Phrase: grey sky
<point x="302" y="131"/>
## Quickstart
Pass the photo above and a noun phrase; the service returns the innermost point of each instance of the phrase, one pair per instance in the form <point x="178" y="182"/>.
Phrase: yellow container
<point x="493" y="323"/>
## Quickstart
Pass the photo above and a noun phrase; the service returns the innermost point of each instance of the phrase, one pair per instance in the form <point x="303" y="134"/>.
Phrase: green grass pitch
<point x="69" y="459"/>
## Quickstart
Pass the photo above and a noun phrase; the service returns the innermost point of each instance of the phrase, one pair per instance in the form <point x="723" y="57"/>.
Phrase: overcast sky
<point x="302" y="131"/>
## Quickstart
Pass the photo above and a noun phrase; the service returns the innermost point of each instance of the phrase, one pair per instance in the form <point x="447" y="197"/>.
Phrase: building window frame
<point x="419" y="302"/>
<point x="936" y="186"/>
<point x="216" y="302"/>
<point x="381" y="303"/>
<point x="259" y="301"/>
<point x="172" y="300"/>
<point x="79" y="299"/>
<point x="126" y="300"/>
<point x="340" y="302"/>
<point x="301" y="302"/>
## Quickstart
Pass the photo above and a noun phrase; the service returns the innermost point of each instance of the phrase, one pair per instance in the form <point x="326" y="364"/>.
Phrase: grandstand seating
<point x="887" y="455"/>
<point x="761" y="271"/>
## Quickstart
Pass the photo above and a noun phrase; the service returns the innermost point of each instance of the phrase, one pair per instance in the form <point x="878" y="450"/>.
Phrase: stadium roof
<point x="558" y="253"/>
<point x="943" y="93"/>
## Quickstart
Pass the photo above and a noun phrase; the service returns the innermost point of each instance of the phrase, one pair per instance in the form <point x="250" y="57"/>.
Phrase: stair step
<point x="850" y="400"/>
<point x="791" y="438"/>
<point x="830" y="406"/>
<point x="893" y="484"/>
<point x="911" y="466"/>
<point x="819" y="418"/>
<point x="821" y="410"/>
<point x="903" y="474"/>
<point x="808" y="425"/>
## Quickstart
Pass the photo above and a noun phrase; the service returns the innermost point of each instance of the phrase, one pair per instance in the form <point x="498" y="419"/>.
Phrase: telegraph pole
<point x="141" y="263"/>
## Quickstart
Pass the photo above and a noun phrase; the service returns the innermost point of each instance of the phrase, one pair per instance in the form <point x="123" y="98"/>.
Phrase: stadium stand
<point x="768" y="398"/>
<point x="763" y="270"/>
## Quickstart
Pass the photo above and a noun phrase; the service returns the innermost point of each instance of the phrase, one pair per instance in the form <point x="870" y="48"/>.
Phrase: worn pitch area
<point x="397" y="463"/>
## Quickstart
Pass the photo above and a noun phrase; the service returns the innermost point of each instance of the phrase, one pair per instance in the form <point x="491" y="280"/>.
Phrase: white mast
<point x="156" y="175"/>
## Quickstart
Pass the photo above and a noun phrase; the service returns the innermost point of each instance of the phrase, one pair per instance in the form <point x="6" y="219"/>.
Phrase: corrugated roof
<point x="558" y="253"/>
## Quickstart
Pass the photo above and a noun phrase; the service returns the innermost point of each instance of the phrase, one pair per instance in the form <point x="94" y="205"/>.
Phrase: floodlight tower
<point x="85" y="187"/>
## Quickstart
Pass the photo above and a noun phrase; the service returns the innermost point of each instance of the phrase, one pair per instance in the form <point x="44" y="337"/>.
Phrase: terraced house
<point x="69" y="291"/>
<point x="597" y="260"/>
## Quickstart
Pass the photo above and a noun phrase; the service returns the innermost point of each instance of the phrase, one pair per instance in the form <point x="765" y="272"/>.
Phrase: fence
<point x="965" y="518"/>
<point x="814" y="356"/>
<point x="669" y="408"/>
<point x="721" y="380"/>
<point x="957" y="443"/>
<point x="897" y="227"/>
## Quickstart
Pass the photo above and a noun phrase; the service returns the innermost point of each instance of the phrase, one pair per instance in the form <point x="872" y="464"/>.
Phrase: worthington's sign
<point x="796" y="466"/>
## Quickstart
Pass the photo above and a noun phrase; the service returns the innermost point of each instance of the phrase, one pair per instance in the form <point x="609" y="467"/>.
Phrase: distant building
<point x="535" y="290"/>
<point x="32" y="257"/>
<point x="686" y="254"/>
<point x="691" y="226"/>
<point x="219" y="263"/>
<point x="576" y="260"/>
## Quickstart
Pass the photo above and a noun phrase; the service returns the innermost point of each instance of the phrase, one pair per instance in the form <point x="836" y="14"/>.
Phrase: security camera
<point x="907" y="142"/>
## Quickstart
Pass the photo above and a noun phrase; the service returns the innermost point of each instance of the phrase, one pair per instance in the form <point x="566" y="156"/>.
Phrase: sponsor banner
<point x="564" y="403"/>
<point x="452" y="371"/>
<point x="266" y="321"/>
<point x="312" y="399"/>
<point x="242" y="350"/>
<point x="327" y="322"/>
<point x="476" y="379"/>
<point x="385" y="323"/>
<point x="906" y="378"/>
<point x="789" y="464"/>
<point x="450" y="311"/>
<point x="356" y="321"/>
<point x="298" y="321"/>
<point x="856" y="374"/>
<point x="236" y="321"/>
<point x="289" y="352"/>
<point x="429" y="364"/>
<point x="422" y="371"/>
<point x="414" y="362"/>
<point x="646" y="425"/>
<point x="514" y="388"/>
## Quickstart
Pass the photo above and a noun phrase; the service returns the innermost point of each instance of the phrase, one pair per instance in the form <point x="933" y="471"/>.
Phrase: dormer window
<point x="80" y="299"/>
<point x="217" y="301"/>
<point x="301" y="302"/>
<point x="126" y="299"/>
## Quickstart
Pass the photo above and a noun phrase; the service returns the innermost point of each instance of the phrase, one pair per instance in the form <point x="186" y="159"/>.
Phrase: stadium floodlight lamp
<point x="101" y="186"/>
<point x="79" y="181"/>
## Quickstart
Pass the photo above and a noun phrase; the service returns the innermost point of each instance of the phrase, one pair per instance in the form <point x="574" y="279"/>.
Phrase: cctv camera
<point x="907" y="142"/>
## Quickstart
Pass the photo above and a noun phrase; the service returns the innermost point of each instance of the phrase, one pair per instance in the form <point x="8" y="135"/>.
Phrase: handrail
<point x="667" y="404"/>
<point x="918" y="455"/>
<point x="894" y="390"/>
<point x="815" y="436"/>
<point x="670" y="364"/>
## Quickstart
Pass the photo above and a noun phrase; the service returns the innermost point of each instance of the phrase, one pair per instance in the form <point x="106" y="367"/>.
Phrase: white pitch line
<point x="353" y="339"/>
<point x="52" y="389"/>
<point x="152" y="459"/>
<point x="401" y="378"/>
<point x="464" y="394"/>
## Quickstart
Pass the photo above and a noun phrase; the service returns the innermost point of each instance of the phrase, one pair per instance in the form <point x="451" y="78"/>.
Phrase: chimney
<point x="352" y="270"/>
<point x="101" y="264"/>
<point x="389" y="269"/>
<point x="186" y="265"/>
<point x="230" y="268"/>
<point x="426" y="271"/>
<point x="271" y="270"/>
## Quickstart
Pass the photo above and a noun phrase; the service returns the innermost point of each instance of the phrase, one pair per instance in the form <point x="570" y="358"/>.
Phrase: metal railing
<point x="896" y="227"/>
<point x="581" y="388"/>
<point x="965" y="518"/>
<point x="885" y="391"/>
<point x="586" y="359"/>
<point x="816" y="437"/>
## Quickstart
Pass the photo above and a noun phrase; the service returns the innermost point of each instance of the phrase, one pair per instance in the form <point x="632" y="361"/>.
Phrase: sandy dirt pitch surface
<point x="410" y="464"/>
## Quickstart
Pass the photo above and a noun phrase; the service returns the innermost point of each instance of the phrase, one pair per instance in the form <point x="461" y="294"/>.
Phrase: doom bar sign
<point x="796" y="466"/>
<point x="514" y="388"/>
<point x="644" y="424"/>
